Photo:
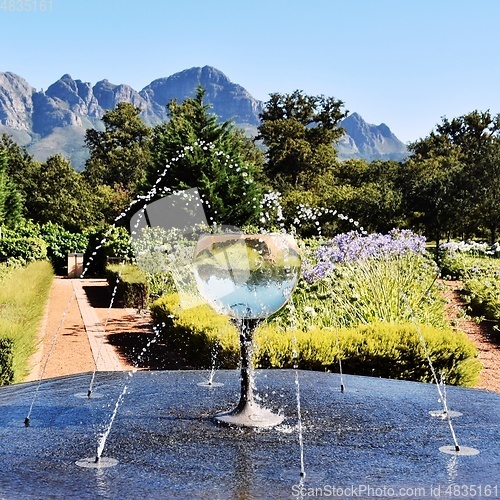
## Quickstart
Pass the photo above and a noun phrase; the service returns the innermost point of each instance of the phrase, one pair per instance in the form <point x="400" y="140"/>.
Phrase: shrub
<point x="23" y="295"/>
<point x="388" y="290"/>
<point x="131" y="285"/>
<point x="27" y="248"/>
<point x="57" y="241"/>
<point x="6" y="361"/>
<point x="196" y="332"/>
<point x="483" y="293"/>
<point x="379" y="349"/>
<point x="107" y="242"/>
<point x="457" y="259"/>
<point x="355" y="279"/>
<point x="480" y="277"/>
<point x="60" y="243"/>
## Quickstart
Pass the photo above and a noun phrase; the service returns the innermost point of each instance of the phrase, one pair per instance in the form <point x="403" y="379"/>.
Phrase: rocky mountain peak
<point x="16" y="106"/>
<point x="108" y="95"/>
<point x="229" y="100"/>
<point x="55" y="121"/>
<point x="365" y="140"/>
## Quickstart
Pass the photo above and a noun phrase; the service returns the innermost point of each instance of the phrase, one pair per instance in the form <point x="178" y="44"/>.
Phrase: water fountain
<point x="375" y="437"/>
<point x="377" y="433"/>
<point x="247" y="277"/>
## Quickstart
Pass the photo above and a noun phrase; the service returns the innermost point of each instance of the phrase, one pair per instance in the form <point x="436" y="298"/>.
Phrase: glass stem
<point x="246" y="328"/>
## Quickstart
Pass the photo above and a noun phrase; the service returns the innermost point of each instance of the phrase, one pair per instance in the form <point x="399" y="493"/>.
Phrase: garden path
<point x="79" y="327"/>
<point x="484" y="336"/>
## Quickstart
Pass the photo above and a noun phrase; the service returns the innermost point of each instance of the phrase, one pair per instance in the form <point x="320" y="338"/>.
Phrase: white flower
<point x="310" y="311"/>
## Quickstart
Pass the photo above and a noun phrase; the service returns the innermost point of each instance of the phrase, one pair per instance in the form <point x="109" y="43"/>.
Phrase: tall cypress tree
<point x="214" y="157"/>
<point x="10" y="198"/>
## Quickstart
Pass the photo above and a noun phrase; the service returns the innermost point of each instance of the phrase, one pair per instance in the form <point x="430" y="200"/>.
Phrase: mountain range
<point x="55" y="120"/>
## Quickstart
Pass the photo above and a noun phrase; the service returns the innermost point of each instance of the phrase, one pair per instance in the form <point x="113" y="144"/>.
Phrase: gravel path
<point x="64" y="347"/>
<point x="486" y="339"/>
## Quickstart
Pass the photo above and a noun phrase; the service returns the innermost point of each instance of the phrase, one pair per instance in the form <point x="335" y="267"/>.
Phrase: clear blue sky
<point x="406" y="63"/>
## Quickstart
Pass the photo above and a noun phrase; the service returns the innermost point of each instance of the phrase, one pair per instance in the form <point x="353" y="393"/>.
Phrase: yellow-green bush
<point x="197" y="332"/>
<point x="6" y="361"/>
<point x="131" y="285"/>
<point x="23" y="295"/>
<point x="379" y="349"/>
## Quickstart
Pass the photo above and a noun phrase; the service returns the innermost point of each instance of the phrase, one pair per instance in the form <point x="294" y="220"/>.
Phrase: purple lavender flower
<point x="354" y="247"/>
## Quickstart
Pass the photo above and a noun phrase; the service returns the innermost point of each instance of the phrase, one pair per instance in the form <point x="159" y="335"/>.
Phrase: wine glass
<point x="248" y="278"/>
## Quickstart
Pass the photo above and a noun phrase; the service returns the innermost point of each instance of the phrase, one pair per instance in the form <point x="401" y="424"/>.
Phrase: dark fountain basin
<point x="375" y="439"/>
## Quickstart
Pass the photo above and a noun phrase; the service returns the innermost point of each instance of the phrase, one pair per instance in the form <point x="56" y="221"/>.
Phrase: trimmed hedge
<point x="483" y="296"/>
<point x="28" y="249"/>
<point x="132" y="288"/>
<point x="6" y="361"/>
<point x="379" y="349"/>
<point x="23" y="295"/>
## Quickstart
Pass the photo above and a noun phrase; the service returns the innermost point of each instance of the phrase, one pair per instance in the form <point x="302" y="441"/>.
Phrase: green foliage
<point x="214" y="157"/>
<point x="483" y="292"/>
<point x="62" y="196"/>
<point x="119" y="154"/>
<point x="20" y="167"/>
<point x="455" y="266"/>
<point x="196" y="332"/>
<point x="159" y="284"/>
<point x="480" y="277"/>
<point x="6" y="361"/>
<point x="388" y="290"/>
<point x="162" y="255"/>
<point x="107" y="242"/>
<point x="299" y="132"/>
<point x="117" y="242"/>
<point x="481" y="283"/>
<point x="378" y="349"/>
<point x="433" y="192"/>
<point x="48" y="192"/>
<point x="462" y="260"/>
<point x="10" y="198"/>
<point x="23" y="295"/>
<point x="55" y="241"/>
<point x="455" y="170"/>
<point x="27" y="249"/>
<point x="9" y="265"/>
<point x="369" y="192"/>
<point x="60" y="242"/>
<point x="25" y="228"/>
<point x="131" y="285"/>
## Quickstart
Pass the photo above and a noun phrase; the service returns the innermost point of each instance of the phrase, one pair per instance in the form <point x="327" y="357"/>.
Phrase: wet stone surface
<point x="377" y="433"/>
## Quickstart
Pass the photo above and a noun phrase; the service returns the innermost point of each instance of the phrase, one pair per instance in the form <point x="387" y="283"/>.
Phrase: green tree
<point x="214" y="157"/>
<point x="451" y="174"/>
<point x="119" y="155"/>
<point x="62" y="196"/>
<point x="299" y="133"/>
<point x="432" y="195"/>
<point x="20" y="167"/>
<point x="10" y="198"/>
<point x="368" y="192"/>
<point x="487" y="211"/>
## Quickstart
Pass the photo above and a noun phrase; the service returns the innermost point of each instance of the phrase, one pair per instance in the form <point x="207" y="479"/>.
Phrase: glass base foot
<point x="251" y="415"/>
